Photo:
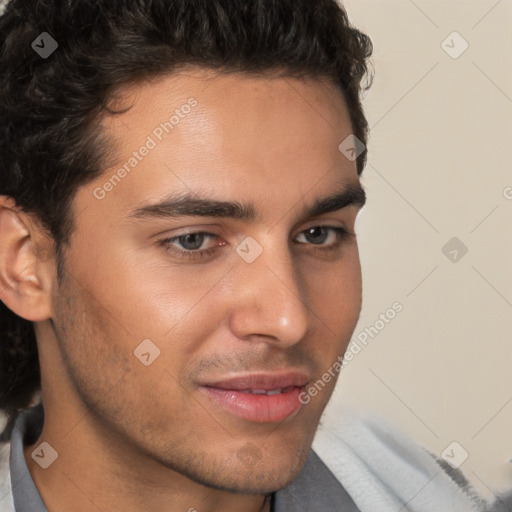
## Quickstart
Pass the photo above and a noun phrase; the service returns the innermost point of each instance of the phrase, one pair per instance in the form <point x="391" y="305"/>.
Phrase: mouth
<point x="268" y="392"/>
<point x="259" y="398"/>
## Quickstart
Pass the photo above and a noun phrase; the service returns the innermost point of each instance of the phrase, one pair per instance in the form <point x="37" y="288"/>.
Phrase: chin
<point x="269" y="475"/>
<point x="256" y="482"/>
<point x="264" y="476"/>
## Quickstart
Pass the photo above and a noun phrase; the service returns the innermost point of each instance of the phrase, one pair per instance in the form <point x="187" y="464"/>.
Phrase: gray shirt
<point x="315" y="488"/>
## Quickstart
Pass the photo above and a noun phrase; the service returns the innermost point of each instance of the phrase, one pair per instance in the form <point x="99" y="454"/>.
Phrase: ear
<point x="26" y="263"/>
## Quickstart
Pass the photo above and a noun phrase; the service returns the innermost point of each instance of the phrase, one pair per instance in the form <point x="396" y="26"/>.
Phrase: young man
<point x="178" y="263"/>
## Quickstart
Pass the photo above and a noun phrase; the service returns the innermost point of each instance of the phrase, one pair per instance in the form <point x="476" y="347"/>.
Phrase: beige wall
<point x="439" y="167"/>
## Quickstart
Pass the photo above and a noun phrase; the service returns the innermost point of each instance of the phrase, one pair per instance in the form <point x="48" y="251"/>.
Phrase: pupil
<point x="191" y="242"/>
<point x="317" y="235"/>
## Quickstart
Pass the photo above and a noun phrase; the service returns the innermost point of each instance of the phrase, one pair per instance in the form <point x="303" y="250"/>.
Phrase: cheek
<point x="179" y="306"/>
<point x="98" y="352"/>
<point x="152" y="296"/>
<point x="90" y="346"/>
<point x="335" y="291"/>
<point x="335" y="295"/>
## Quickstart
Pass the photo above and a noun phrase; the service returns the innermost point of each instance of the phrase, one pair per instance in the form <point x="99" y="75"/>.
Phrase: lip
<point x="231" y="394"/>
<point x="266" y="381"/>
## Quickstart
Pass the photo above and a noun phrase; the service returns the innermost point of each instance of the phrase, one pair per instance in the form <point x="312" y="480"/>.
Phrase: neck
<point x="96" y="470"/>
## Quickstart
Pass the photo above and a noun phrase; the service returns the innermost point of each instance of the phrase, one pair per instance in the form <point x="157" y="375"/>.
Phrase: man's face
<point x="163" y="330"/>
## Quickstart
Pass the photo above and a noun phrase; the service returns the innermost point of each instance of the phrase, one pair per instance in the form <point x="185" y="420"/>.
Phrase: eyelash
<point x="341" y="235"/>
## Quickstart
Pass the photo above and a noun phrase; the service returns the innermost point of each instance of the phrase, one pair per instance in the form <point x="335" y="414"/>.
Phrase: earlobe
<point x="24" y="285"/>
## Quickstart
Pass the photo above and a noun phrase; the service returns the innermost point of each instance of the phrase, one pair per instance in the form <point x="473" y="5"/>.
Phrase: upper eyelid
<point x="326" y="223"/>
<point x="193" y="231"/>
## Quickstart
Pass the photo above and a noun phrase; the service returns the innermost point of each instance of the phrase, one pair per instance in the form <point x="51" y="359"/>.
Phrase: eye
<point x="191" y="241"/>
<point x="323" y="235"/>
<point x="192" y="245"/>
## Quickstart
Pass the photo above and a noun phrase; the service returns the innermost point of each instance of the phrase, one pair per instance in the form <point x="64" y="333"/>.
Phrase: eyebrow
<point x="190" y="205"/>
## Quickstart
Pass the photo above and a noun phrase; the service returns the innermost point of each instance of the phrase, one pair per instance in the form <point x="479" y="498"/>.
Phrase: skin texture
<point x="132" y="437"/>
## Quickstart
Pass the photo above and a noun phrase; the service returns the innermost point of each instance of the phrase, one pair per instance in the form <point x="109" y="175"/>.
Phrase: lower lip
<point x="257" y="408"/>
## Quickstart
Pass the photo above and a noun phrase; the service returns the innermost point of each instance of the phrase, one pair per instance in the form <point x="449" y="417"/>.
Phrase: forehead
<point x="230" y="136"/>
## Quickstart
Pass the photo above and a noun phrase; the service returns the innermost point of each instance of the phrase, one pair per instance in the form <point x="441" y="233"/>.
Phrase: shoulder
<point x="384" y="469"/>
<point x="6" y="500"/>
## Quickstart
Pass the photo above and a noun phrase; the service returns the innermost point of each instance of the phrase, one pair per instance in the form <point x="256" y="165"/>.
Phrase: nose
<point x="269" y="300"/>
